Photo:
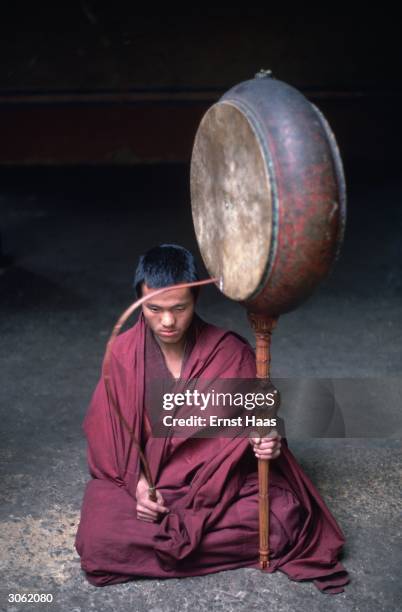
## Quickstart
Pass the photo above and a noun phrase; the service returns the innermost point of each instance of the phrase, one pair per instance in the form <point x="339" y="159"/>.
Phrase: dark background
<point x="92" y="83"/>
<point x="98" y="113"/>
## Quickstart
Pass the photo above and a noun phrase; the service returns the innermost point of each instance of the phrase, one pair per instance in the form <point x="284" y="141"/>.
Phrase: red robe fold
<point x="209" y="485"/>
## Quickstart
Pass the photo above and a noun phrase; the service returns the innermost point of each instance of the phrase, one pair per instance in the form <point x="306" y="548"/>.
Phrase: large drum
<point x="267" y="194"/>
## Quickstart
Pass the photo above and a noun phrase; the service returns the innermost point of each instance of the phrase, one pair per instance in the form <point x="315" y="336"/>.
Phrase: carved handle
<point x="263" y="326"/>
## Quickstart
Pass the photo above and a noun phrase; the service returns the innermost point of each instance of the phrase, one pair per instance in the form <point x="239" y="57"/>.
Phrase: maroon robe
<point x="209" y="485"/>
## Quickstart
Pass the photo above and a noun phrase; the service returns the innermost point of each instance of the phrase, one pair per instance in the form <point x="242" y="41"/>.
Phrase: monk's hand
<point x="148" y="510"/>
<point x="268" y="447"/>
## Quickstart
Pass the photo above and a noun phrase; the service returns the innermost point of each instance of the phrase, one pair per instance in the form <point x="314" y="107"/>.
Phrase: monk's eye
<point x="153" y="308"/>
<point x="180" y="308"/>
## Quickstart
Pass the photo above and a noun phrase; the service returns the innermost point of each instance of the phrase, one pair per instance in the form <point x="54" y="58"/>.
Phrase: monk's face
<point x="169" y="314"/>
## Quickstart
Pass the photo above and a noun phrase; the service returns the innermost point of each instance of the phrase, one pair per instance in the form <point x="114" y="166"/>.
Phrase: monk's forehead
<point x="169" y="298"/>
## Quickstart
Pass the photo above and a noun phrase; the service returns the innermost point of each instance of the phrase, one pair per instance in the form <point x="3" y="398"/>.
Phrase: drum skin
<point x="268" y="195"/>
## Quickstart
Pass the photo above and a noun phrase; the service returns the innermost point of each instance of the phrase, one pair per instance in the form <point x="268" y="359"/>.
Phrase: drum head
<point x="231" y="200"/>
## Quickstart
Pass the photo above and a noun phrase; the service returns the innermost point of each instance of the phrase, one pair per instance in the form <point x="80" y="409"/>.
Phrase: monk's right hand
<point x="148" y="510"/>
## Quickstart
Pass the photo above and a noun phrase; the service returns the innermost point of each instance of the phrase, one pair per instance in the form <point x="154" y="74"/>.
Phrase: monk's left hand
<point x="268" y="447"/>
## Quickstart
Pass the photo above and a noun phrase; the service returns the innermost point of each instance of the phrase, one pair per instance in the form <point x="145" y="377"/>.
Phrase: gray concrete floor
<point x="75" y="235"/>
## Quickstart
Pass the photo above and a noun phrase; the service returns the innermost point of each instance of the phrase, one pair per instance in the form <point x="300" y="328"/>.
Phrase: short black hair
<point x="166" y="264"/>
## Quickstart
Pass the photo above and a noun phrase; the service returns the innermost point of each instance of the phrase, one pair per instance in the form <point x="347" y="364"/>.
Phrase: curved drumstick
<point x="106" y="367"/>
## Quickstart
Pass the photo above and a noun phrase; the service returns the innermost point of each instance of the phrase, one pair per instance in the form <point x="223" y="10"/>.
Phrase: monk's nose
<point x="168" y="319"/>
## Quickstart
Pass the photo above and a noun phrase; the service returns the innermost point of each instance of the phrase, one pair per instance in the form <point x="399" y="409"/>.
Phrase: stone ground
<point x="75" y="236"/>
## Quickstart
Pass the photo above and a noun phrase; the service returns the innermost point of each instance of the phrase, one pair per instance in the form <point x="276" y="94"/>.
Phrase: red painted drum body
<point x="268" y="195"/>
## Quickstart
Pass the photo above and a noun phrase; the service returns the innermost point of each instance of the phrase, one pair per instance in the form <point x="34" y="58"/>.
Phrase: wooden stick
<point x="263" y="326"/>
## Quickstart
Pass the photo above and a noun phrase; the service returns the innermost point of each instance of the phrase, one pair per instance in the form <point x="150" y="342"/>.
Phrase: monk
<point x="205" y="518"/>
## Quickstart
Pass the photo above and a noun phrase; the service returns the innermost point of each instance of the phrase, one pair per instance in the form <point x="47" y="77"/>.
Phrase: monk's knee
<point x="90" y="545"/>
<point x="101" y="579"/>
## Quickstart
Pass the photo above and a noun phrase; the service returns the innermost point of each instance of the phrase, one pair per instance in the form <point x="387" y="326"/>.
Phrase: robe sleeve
<point x="237" y="361"/>
<point x="104" y="431"/>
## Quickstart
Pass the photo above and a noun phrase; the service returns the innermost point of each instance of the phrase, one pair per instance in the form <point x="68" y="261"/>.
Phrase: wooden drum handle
<point x="263" y="327"/>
